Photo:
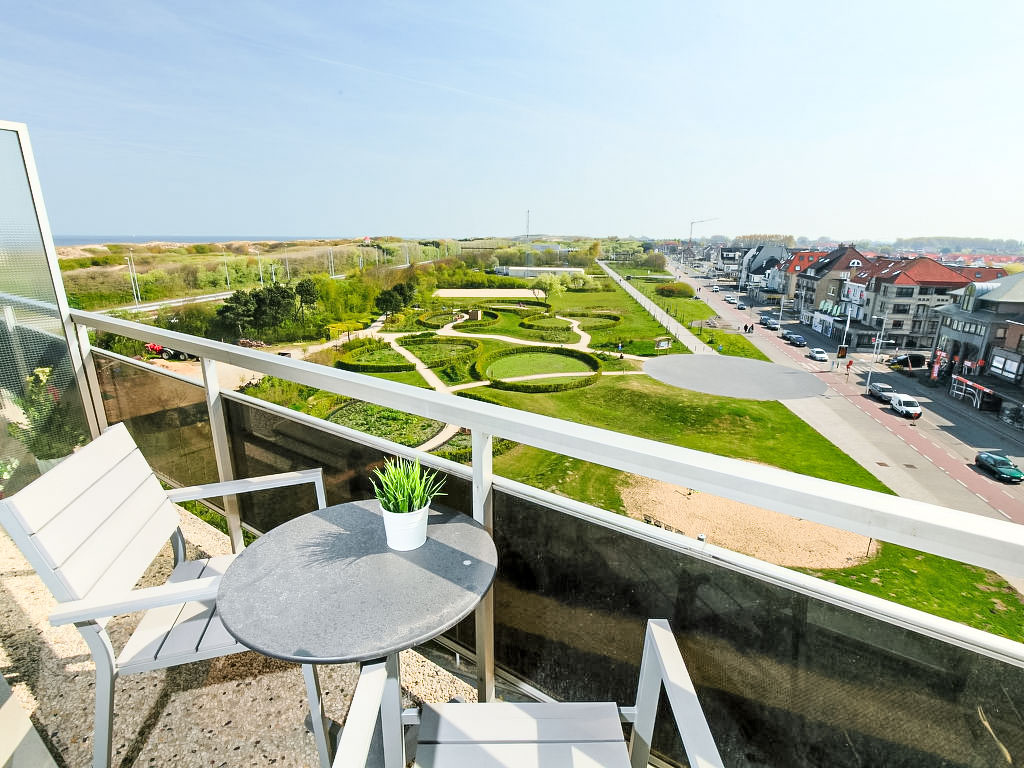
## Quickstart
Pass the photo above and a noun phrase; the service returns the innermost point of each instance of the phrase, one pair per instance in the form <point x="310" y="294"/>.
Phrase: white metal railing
<point x="982" y="541"/>
<point x="946" y="532"/>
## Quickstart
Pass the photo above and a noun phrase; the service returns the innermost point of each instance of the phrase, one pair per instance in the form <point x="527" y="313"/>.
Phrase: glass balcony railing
<point x="791" y="670"/>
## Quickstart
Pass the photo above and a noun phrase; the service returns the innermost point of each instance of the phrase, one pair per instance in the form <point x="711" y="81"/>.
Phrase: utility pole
<point x="527" y="225"/>
<point x="259" y="261"/>
<point x="330" y="260"/>
<point x="287" y="270"/>
<point x="133" y="278"/>
<point x="227" y="275"/>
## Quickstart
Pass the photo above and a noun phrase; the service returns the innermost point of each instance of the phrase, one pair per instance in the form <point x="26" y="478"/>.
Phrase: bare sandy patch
<point x="477" y="293"/>
<point x="231" y="377"/>
<point x="760" y="533"/>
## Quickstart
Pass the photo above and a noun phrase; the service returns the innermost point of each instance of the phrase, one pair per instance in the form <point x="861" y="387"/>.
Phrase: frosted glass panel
<point x="41" y="412"/>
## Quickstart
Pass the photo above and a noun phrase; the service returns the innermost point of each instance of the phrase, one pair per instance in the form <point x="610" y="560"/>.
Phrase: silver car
<point x="818" y="354"/>
<point x="881" y="391"/>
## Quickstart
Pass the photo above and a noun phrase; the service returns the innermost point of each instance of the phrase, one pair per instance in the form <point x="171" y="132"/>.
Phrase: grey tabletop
<point x="324" y="588"/>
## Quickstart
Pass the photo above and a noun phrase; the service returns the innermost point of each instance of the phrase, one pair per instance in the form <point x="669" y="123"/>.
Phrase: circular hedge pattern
<point x="481" y="366"/>
<point x="448" y="351"/>
<point x="594" y="321"/>
<point x="545" y="322"/>
<point x="356" y="359"/>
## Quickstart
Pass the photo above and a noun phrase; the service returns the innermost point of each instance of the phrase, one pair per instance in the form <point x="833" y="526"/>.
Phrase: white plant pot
<point x="405" y="530"/>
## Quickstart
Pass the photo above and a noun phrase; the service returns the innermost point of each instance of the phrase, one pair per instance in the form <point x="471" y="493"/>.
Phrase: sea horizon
<point x="66" y="240"/>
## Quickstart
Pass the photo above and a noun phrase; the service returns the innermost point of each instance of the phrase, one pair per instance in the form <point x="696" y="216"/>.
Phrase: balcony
<point x="791" y="670"/>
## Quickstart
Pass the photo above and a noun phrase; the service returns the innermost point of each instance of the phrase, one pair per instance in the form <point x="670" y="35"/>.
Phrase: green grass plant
<point x="404" y="486"/>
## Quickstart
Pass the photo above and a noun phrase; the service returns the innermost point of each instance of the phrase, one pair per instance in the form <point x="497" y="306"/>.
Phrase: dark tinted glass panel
<point x="785" y="680"/>
<point x="264" y="442"/>
<point x="167" y="418"/>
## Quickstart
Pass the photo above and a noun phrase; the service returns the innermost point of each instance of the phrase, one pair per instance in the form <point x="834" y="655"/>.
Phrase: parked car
<point x="730" y="299"/>
<point x="881" y="391"/>
<point x="772" y="325"/>
<point x="741" y="305"/>
<point x="818" y="354"/>
<point x="715" y="289"/>
<point x="786" y="334"/>
<point x="1000" y="467"/>
<point x="905" y="406"/>
<point x="797" y="340"/>
<point x="908" y="360"/>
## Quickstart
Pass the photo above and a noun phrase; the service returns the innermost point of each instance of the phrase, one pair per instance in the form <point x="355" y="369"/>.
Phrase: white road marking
<point x="981" y="497"/>
<point x="1007" y="493"/>
<point x="960" y="481"/>
<point x="997" y="509"/>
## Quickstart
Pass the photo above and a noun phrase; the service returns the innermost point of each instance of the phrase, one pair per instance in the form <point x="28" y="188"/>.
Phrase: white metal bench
<point x="91" y="526"/>
<point x="541" y="735"/>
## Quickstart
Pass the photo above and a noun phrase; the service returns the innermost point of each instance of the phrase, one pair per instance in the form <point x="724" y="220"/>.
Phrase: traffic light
<point x="842" y="351"/>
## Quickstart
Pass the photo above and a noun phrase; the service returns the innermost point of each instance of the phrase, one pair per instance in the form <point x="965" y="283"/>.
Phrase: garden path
<point x="447" y="331"/>
<point x="672" y="325"/>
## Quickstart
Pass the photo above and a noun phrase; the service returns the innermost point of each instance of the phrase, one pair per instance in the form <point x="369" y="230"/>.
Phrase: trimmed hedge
<point x="609" y="318"/>
<point x="528" y="322"/>
<point x="540" y="385"/>
<point x="489" y="318"/>
<point x="350" y="360"/>
<point x="428" y="321"/>
<point x="461" y="357"/>
<point x="479" y="370"/>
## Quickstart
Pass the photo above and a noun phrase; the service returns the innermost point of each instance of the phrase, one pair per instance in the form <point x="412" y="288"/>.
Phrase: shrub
<point x="675" y="290"/>
<point x="487" y="318"/>
<point x="359" y="348"/>
<point x="577" y="382"/>
<point x="479" y="367"/>
<point x="411" y="343"/>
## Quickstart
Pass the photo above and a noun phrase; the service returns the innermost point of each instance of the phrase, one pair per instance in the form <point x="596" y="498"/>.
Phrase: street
<point x="931" y="459"/>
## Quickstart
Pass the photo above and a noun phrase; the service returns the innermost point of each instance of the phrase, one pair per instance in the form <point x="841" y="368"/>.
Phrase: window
<point x="901" y="309"/>
<point x="897" y="323"/>
<point x="797" y="268"/>
<point x="924" y="291"/>
<point x="1000" y="333"/>
<point x="941" y="291"/>
<point x="831" y="290"/>
<point x="904" y="292"/>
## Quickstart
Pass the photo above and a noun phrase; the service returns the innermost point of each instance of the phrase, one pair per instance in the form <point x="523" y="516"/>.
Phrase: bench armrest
<point x="231" y="487"/>
<point x="92" y="608"/>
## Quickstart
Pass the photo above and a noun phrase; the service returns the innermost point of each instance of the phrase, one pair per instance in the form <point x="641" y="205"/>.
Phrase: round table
<point x="324" y="588"/>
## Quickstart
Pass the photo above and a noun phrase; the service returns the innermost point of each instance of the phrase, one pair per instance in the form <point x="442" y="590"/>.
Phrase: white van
<point x="906" y="406"/>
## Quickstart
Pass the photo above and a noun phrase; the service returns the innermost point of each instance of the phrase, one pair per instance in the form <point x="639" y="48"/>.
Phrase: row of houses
<point x="968" y="321"/>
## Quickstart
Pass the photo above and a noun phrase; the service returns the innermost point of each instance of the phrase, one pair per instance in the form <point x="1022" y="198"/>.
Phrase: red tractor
<point x="166" y="352"/>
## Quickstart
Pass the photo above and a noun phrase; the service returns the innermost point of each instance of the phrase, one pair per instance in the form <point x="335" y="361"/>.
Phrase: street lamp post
<point x="879" y="341"/>
<point x="227" y="275"/>
<point x="259" y="262"/>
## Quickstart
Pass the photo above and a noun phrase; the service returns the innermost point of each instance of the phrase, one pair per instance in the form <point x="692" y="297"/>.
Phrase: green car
<point x="1000" y="467"/>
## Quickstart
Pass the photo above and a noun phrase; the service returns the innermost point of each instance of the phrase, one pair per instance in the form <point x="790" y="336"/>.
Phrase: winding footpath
<point x="450" y="430"/>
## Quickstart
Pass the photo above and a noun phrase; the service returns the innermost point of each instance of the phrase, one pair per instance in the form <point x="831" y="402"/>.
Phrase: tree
<point x="238" y="311"/>
<point x="308" y="294"/>
<point x="275" y="304"/>
<point x="547" y="287"/>
<point x="388" y="301"/>
<point x="655" y="260"/>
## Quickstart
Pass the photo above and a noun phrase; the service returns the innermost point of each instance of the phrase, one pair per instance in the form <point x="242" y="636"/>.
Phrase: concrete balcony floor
<point x="240" y="710"/>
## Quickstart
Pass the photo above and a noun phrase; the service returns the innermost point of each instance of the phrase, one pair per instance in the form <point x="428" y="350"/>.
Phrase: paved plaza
<point x="735" y="377"/>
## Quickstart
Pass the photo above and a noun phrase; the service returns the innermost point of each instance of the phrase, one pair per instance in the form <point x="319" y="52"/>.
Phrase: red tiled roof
<point x="803" y="259"/>
<point x="919" y="271"/>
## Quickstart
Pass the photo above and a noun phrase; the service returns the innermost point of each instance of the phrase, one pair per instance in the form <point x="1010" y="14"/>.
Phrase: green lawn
<point x="529" y="363"/>
<point x="433" y="353"/>
<point x="732" y="343"/>
<point x="946" y="588"/>
<point x="756" y="431"/>
<point x="508" y="325"/>
<point x="636" y="332"/>
<point x="412" y="378"/>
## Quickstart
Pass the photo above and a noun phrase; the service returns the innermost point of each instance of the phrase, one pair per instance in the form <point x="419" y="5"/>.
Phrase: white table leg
<point x="316" y="711"/>
<point x="391" y="716"/>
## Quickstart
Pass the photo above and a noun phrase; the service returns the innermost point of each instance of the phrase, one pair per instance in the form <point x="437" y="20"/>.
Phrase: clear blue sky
<point x="870" y="119"/>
